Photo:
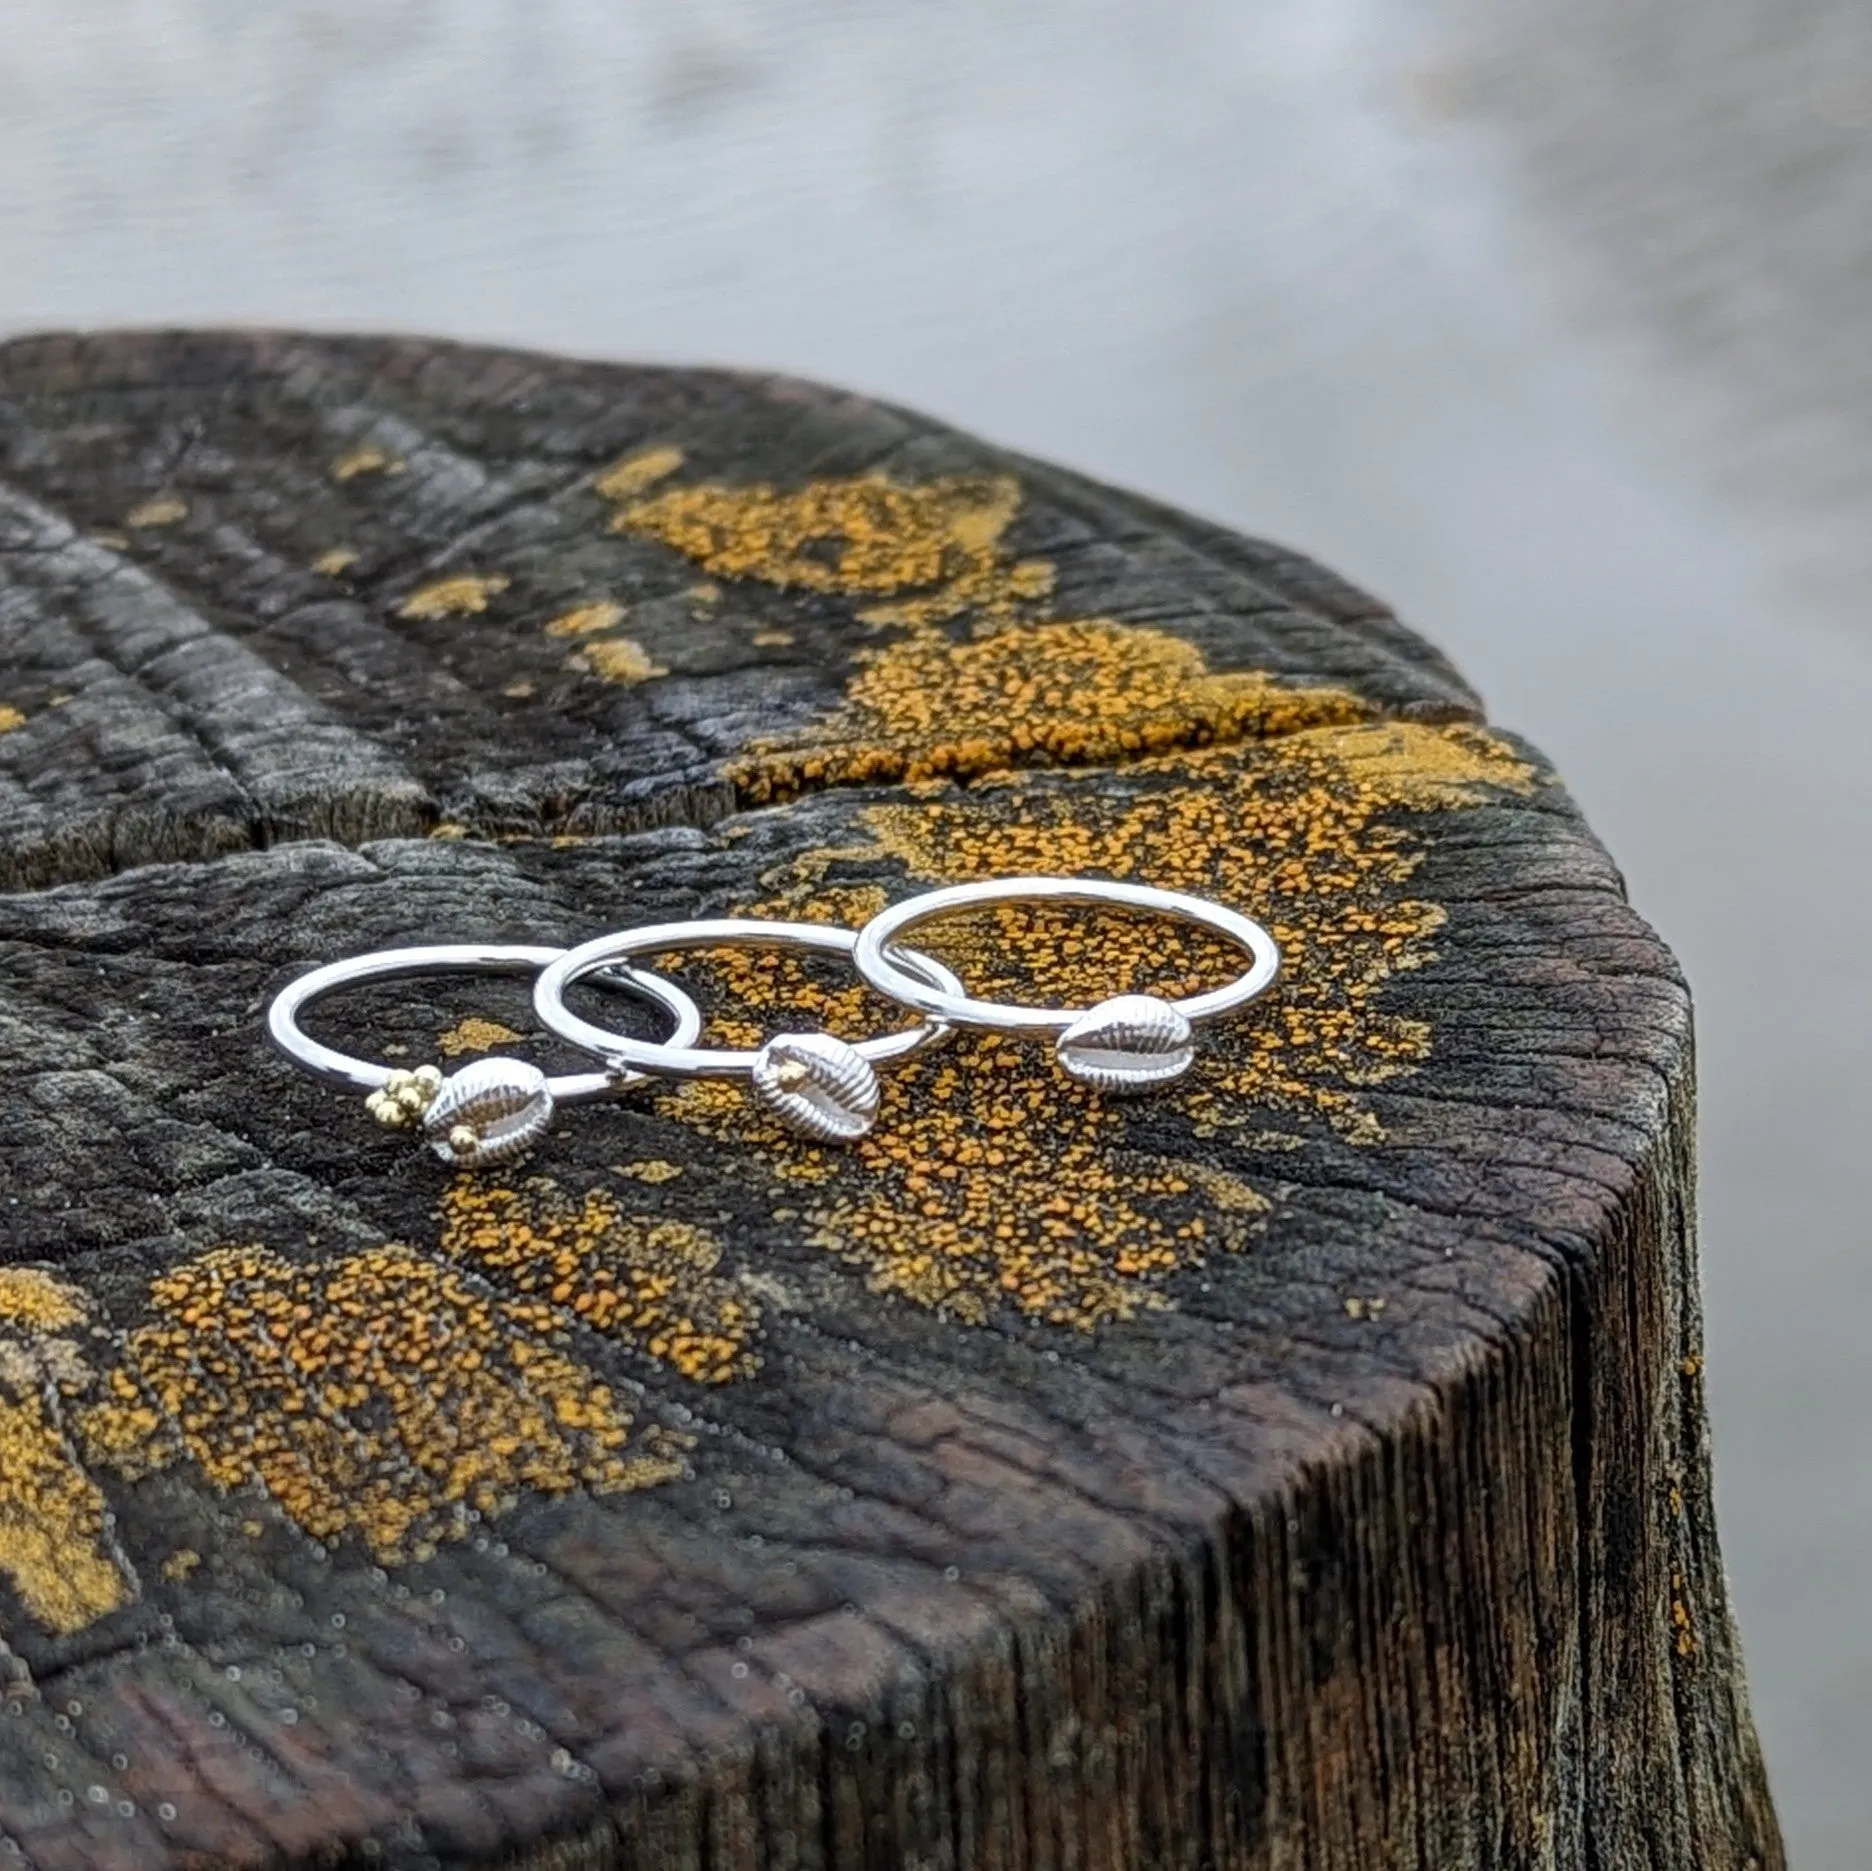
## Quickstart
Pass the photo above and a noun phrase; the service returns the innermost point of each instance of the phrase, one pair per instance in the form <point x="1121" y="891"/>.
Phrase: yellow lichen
<point x="1683" y="1624"/>
<point x="985" y="1183"/>
<point x="648" y="1282"/>
<point x="384" y="1393"/>
<point x="159" y="510"/>
<point x="11" y="718"/>
<point x="611" y="659"/>
<point x="34" y="1301"/>
<point x="465" y="595"/>
<point x="934" y="549"/>
<point x="368" y="459"/>
<point x="635" y="472"/>
<point x="476" y="1035"/>
<point x="379" y="1394"/>
<point x="585" y="619"/>
<point x="1291" y="829"/>
<point x="52" y="1514"/>
<point x="1077" y="692"/>
<point x="652" y="1170"/>
<point x="336" y="562"/>
<point x="52" y="1521"/>
<point x="620" y="659"/>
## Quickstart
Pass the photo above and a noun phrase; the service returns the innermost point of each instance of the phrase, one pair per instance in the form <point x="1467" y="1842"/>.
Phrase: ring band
<point x="1131" y="1042"/>
<point x="823" y="1086"/>
<point x="504" y="1103"/>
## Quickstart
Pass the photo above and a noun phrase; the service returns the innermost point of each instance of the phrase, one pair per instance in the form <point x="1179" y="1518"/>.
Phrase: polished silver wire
<point x="878" y="959"/>
<point x="339" y="1068"/>
<point x="677" y="1058"/>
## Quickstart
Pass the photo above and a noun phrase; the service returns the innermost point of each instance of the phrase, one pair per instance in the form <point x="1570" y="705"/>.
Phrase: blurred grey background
<point x="1546" y="321"/>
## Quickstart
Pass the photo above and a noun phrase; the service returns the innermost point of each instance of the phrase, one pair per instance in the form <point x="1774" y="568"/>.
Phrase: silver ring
<point x="502" y="1104"/>
<point x="822" y="1086"/>
<point x="1131" y="1042"/>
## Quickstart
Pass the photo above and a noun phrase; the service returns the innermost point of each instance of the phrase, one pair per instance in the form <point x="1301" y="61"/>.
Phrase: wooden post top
<point x="1304" y="1467"/>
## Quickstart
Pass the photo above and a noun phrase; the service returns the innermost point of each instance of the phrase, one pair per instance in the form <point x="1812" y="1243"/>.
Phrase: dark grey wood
<point x="1324" y="1485"/>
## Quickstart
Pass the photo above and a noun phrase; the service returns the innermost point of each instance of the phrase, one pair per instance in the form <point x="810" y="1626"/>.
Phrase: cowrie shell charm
<point x="488" y="1112"/>
<point x="822" y="1087"/>
<point x="1130" y="1043"/>
<point x="818" y="1085"/>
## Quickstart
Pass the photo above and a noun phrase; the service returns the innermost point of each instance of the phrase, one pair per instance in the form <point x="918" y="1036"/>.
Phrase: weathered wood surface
<point x="1304" y="1468"/>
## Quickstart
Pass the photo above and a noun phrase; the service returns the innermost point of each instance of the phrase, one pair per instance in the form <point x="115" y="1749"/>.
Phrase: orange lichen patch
<point x="476" y="1035"/>
<point x="611" y="659"/>
<point x="34" y="1301"/>
<point x="1074" y="693"/>
<point x="11" y="718"/>
<point x="1227" y="1192"/>
<point x="181" y="1564"/>
<point x="1068" y="1224"/>
<point x="619" y="659"/>
<point x="336" y="562"/>
<point x="991" y="1181"/>
<point x="996" y="1186"/>
<point x="986" y="1183"/>
<point x="52" y="1522"/>
<point x="380" y="1394"/>
<point x="586" y="619"/>
<point x="652" y="1170"/>
<point x="465" y="595"/>
<point x="636" y="472"/>
<point x="53" y="1518"/>
<point x="934" y="549"/>
<point x="159" y="510"/>
<point x="1683" y="1624"/>
<point x="368" y="459"/>
<point x="648" y="1282"/>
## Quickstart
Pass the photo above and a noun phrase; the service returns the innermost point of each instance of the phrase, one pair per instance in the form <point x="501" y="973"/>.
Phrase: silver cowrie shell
<point x="1130" y="1043"/>
<point x="818" y="1085"/>
<point x="502" y="1104"/>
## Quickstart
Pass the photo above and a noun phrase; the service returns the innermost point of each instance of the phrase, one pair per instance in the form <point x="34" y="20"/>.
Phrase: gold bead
<point x="464" y="1140"/>
<point x="429" y="1077"/>
<point x="399" y="1081"/>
